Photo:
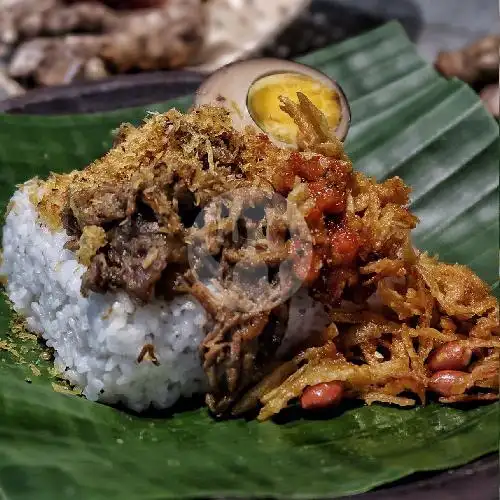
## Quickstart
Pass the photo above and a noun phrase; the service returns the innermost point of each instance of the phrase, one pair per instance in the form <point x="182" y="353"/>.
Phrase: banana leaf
<point x="407" y="121"/>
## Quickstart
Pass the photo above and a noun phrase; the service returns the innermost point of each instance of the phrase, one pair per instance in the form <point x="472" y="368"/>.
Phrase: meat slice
<point x="137" y="255"/>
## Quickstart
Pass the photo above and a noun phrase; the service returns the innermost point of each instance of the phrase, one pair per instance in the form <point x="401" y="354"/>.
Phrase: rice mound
<point x="97" y="339"/>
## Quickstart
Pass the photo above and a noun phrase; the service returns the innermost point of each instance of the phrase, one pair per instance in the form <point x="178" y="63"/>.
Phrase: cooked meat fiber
<point x="136" y="256"/>
<point x="239" y="350"/>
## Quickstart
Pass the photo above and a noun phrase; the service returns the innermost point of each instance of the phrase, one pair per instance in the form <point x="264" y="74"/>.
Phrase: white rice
<point x="97" y="339"/>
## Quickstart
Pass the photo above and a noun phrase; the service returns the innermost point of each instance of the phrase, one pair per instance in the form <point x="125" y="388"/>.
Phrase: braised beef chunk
<point x="136" y="256"/>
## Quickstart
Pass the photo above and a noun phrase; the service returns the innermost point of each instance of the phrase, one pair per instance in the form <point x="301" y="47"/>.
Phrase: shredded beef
<point x="238" y="350"/>
<point x="134" y="260"/>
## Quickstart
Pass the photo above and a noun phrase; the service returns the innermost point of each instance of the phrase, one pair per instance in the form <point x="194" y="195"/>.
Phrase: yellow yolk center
<point x="264" y="105"/>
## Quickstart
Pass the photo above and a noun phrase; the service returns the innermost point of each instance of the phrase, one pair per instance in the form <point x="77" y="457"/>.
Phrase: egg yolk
<point x="264" y="105"/>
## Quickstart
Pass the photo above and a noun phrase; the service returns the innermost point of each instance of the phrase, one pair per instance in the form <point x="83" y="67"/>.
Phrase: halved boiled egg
<point x="250" y="90"/>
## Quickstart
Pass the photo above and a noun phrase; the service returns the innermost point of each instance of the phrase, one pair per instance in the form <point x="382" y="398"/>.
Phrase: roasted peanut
<point x="322" y="395"/>
<point x="450" y="356"/>
<point x="449" y="382"/>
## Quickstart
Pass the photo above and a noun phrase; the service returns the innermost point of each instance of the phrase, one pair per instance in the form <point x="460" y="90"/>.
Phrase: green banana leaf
<point x="407" y="121"/>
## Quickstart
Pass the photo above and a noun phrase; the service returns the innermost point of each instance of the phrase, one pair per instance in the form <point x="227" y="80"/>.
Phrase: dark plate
<point x="124" y="91"/>
<point x="476" y="481"/>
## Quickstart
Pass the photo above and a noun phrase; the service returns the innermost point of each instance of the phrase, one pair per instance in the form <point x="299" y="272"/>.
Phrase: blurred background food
<point x="476" y="64"/>
<point x="53" y="42"/>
